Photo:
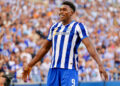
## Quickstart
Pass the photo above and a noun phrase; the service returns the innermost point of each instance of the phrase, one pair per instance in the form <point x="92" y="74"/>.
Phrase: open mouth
<point x="61" y="16"/>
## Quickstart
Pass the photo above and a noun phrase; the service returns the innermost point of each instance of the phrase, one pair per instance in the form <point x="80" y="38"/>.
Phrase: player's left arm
<point x="92" y="51"/>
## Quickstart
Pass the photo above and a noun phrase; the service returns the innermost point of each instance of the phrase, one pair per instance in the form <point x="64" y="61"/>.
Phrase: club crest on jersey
<point x="54" y="32"/>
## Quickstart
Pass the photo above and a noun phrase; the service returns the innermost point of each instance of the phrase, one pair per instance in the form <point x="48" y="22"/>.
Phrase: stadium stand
<point x="26" y="23"/>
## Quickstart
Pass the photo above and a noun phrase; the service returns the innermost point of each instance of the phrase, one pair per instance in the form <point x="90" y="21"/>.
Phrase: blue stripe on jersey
<point x="61" y="46"/>
<point x="55" y="42"/>
<point x="83" y="30"/>
<point x="78" y="41"/>
<point x="69" y="45"/>
<point x="77" y="61"/>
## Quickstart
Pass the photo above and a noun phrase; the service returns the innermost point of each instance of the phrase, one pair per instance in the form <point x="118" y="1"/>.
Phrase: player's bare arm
<point x="1" y="34"/>
<point x="46" y="46"/>
<point x="91" y="49"/>
<point x="40" y="54"/>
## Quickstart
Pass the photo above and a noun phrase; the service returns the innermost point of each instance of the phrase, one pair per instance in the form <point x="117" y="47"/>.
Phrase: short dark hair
<point x="69" y="4"/>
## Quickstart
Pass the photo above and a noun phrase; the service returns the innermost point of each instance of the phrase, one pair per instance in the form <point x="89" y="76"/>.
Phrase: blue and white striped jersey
<point x="65" y="42"/>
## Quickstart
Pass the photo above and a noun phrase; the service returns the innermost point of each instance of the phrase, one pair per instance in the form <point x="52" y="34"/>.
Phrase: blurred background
<point x="25" y="24"/>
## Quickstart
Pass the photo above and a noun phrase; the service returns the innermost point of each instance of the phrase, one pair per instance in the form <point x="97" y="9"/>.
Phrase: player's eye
<point x="63" y="9"/>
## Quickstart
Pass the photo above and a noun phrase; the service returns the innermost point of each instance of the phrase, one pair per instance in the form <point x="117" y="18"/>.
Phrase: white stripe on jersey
<point x="79" y="30"/>
<point x="52" y="52"/>
<point x="65" y="46"/>
<point x="58" y="46"/>
<point x="50" y="36"/>
<point x="72" y="52"/>
<point x="86" y="31"/>
<point x="76" y="63"/>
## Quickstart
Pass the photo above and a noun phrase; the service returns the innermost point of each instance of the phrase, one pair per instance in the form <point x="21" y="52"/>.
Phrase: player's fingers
<point x="24" y="76"/>
<point x="106" y="77"/>
<point x="101" y="74"/>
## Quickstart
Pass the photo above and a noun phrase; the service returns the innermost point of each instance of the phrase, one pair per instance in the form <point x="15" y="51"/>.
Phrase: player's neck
<point x="65" y="22"/>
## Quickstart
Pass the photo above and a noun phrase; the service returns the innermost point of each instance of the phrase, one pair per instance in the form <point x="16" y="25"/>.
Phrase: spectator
<point x="36" y="73"/>
<point x="26" y="54"/>
<point x="44" y="68"/>
<point x="15" y="69"/>
<point x="94" y="73"/>
<point x="24" y="25"/>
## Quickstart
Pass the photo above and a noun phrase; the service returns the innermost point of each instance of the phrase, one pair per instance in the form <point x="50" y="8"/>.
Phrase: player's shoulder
<point x="79" y="23"/>
<point x="80" y="26"/>
<point x="54" y="25"/>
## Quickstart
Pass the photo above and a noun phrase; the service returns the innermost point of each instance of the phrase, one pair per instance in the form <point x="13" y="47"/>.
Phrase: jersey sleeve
<point x="82" y="31"/>
<point x="49" y="38"/>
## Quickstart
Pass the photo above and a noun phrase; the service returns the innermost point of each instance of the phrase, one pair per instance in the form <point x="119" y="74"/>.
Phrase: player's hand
<point x="103" y="72"/>
<point x="2" y="33"/>
<point x="26" y="72"/>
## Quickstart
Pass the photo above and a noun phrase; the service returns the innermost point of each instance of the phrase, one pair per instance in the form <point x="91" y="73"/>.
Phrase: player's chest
<point x="63" y="31"/>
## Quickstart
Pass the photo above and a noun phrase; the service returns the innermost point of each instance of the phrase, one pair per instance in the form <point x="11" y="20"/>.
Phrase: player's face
<point x="65" y="12"/>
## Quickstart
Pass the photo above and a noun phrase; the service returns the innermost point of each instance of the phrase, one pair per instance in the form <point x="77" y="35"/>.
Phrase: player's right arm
<point x="40" y="54"/>
<point x="46" y="46"/>
<point x="1" y="34"/>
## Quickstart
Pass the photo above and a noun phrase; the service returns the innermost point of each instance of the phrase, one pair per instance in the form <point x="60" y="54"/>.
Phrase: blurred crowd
<point x="25" y="25"/>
